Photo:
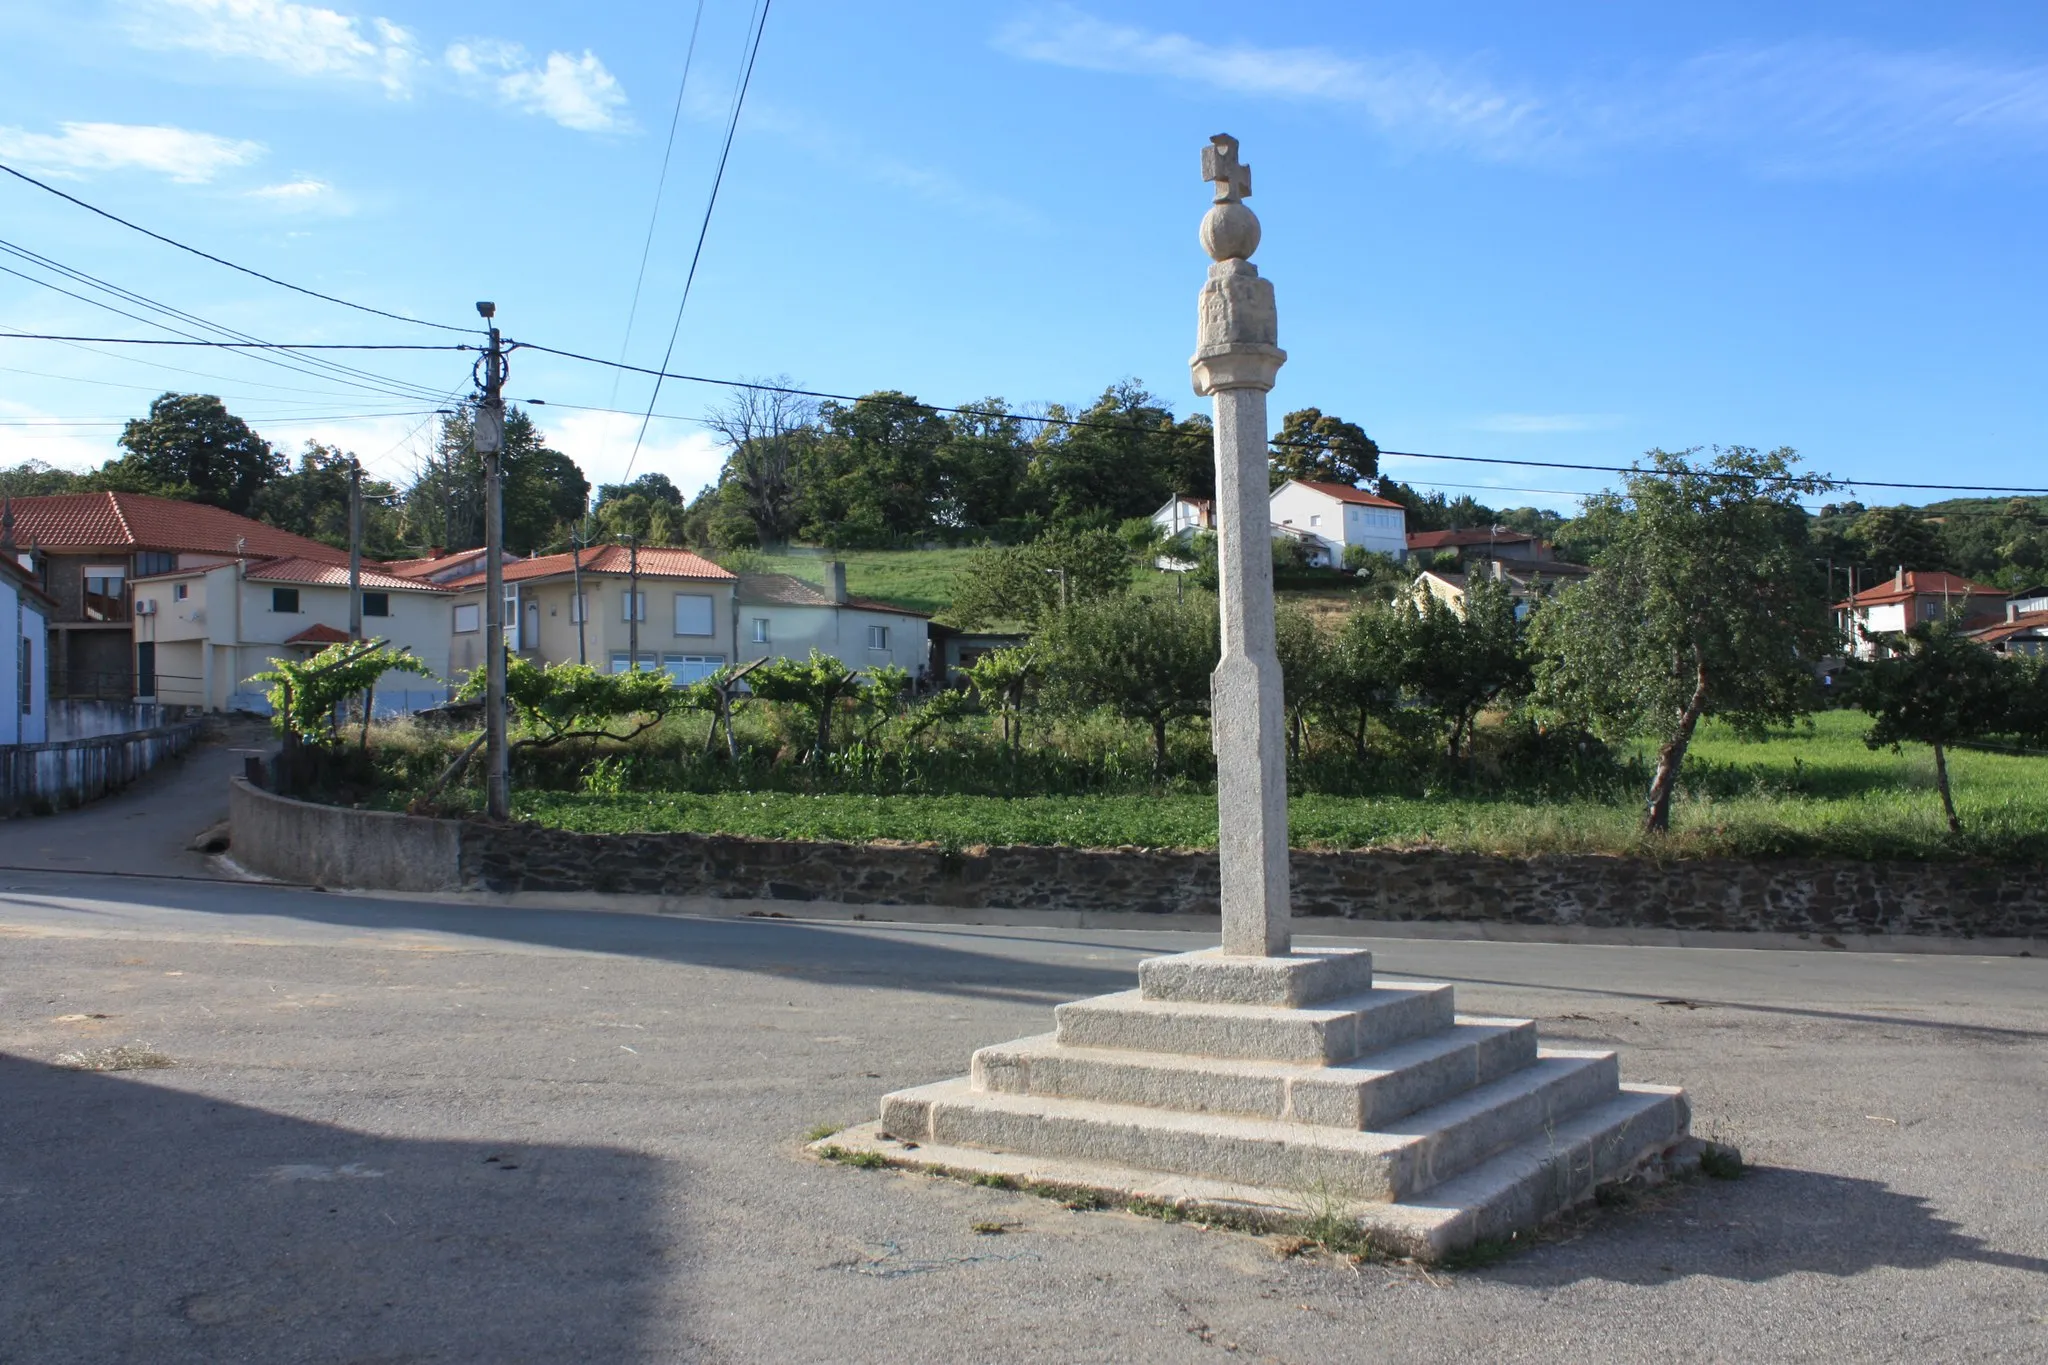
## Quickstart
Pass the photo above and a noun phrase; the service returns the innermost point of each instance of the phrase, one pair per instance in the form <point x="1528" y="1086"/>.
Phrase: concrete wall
<point x="37" y="778"/>
<point x="83" y="718"/>
<point x="298" y="841"/>
<point x="1802" y="896"/>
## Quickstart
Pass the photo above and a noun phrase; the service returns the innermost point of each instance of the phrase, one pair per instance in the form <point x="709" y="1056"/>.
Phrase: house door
<point x="145" y="669"/>
<point x="529" y="631"/>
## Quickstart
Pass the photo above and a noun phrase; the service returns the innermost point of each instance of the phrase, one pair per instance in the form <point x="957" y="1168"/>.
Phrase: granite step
<point x="1380" y="1167"/>
<point x="1367" y="1092"/>
<point x="1336" y="1031"/>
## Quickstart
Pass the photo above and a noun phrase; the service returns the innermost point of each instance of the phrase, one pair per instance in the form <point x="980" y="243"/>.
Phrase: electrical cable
<point x="218" y="260"/>
<point x="237" y="345"/>
<point x="704" y="228"/>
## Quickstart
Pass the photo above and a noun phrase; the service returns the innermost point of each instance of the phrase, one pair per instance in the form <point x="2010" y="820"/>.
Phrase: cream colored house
<point x="684" y="608"/>
<point x="785" y="617"/>
<point x="201" y="632"/>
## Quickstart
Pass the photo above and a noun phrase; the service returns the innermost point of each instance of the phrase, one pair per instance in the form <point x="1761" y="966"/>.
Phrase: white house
<point x="782" y="616"/>
<point x="1336" y="516"/>
<point x="1183" y="516"/>
<point x="1909" y="597"/>
<point x="202" y="632"/>
<point x="24" y="652"/>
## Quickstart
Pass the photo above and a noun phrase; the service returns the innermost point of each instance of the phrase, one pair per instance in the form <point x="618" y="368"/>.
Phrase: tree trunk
<point x="1948" y="803"/>
<point x="824" y="727"/>
<point x="1358" y="740"/>
<point x="1657" y="818"/>
<point x="1159" y="747"/>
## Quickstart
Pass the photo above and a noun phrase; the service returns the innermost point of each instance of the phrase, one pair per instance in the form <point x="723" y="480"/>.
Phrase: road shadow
<point x="1772" y="1222"/>
<point x="144" y="1224"/>
<point x="866" y="956"/>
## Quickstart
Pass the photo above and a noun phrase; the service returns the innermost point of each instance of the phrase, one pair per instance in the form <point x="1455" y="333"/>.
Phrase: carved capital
<point x="1236" y="365"/>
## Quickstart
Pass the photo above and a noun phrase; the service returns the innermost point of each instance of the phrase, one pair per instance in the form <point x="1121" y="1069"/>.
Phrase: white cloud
<point x="1545" y="423"/>
<point x="186" y="156"/>
<point x="576" y="92"/>
<point x="1411" y="95"/>
<point x="308" y="40"/>
<point x="1812" y="107"/>
<point x="600" y="443"/>
<point x="294" y="191"/>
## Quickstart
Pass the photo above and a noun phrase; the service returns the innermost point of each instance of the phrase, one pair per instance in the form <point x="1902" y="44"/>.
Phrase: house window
<point x="689" y="668"/>
<point x="468" y="619"/>
<point x="105" y="597"/>
<point x="376" y="604"/>
<point x="180" y="591"/>
<point x="1315" y="520"/>
<point x="577" y="606"/>
<point x="633" y="606"/>
<point x="284" y="600"/>
<point x="647" y="661"/>
<point x="878" y="637"/>
<point x="760" y="630"/>
<point x="154" y="561"/>
<point x="693" y="615"/>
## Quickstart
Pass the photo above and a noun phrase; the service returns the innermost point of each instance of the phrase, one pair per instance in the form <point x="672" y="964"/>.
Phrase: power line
<point x="218" y="260"/>
<point x="239" y="345"/>
<point x="146" y="363"/>
<point x="704" y="228"/>
<point x="660" y="186"/>
<point x="1073" y="422"/>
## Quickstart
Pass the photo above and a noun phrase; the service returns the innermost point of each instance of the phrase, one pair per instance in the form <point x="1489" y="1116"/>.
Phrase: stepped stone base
<point x="1273" y="1089"/>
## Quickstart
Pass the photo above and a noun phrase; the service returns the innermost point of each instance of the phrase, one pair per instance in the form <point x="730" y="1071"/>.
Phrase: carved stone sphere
<point x="1230" y="232"/>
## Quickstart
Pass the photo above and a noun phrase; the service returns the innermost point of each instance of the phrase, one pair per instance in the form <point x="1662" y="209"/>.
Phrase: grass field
<point x="1818" y="792"/>
<point x="919" y="579"/>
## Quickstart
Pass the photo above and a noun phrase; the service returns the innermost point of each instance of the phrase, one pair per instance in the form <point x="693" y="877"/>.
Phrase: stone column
<point x="1236" y="359"/>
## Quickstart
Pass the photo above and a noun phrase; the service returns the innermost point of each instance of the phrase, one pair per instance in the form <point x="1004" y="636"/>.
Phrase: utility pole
<point x="487" y="434"/>
<point x="632" y="602"/>
<point x="355" y="548"/>
<point x="576" y="547"/>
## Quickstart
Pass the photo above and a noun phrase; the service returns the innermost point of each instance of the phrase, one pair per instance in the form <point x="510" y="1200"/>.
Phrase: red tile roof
<point x="297" y="570"/>
<point x="430" y="565"/>
<point x="1475" y="535"/>
<point x="1920" y="584"/>
<point x="1344" y="492"/>
<point x="609" y="559"/>
<point x="139" y="521"/>
<point x="322" y="634"/>
<point x="2020" y="623"/>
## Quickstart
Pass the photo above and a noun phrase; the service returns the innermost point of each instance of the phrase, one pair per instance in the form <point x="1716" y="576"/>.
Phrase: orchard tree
<point x="1363" y="681"/>
<point x="1030" y="582"/>
<point x="191" y="446"/>
<point x="1145" y="660"/>
<point x="1458" y="663"/>
<point x="1933" y="685"/>
<point x="1705" y="601"/>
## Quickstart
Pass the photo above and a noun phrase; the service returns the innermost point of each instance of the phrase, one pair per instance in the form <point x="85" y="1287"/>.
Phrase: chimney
<point x="2012" y="611"/>
<point x="1899" y="578"/>
<point x="835" y="582"/>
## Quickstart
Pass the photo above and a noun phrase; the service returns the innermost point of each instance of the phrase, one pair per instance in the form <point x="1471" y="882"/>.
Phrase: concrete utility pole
<point x="355" y="548"/>
<point x="576" y="547"/>
<point x="1236" y="361"/>
<point x="632" y="602"/>
<point x="487" y="435"/>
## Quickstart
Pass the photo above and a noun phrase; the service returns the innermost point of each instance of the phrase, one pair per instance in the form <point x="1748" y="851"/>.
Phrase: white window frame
<point x="180" y="591"/>
<point x="878" y="639"/>
<point x="710" y="615"/>
<point x="633" y="606"/>
<point x="761" y="630"/>
<point x="475" y="618"/>
<point x="684" y="669"/>
<point x="579" y="604"/>
<point x="649" y="660"/>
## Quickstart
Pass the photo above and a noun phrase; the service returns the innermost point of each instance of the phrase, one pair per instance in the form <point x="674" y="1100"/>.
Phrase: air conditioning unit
<point x="146" y="607"/>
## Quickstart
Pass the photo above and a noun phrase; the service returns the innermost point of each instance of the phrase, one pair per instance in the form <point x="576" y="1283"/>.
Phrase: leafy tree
<point x="306" y="695"/>
<point x="871" y="478"/>
<point x="1706" y="601"/>
<point x="1306" y="657"/>
<point x="1897" y="537"/>
<point x="1120" y="459"/>
<point x="191" y="446"/>
<point x="34" y="478"/>
<point x="1363" y="681"/>
<point x="562" y="702"/>
<point x="652" y="486"/>
<point x="313" y="500"/>
<point x="1145" y="660"/>
<point x="1934" y="685"/>
<point x="1323" y="449"/>
<point x="769" y="430"/>
<point x="815" y="686"/>
<point x="1001" y="678"/>
<point x="1028" y="582"/>
<point x="1459" y="663"/>
<point x="981" y="468"/>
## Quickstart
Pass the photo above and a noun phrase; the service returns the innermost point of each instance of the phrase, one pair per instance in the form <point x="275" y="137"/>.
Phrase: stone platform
<point x="1275" y="1088"/>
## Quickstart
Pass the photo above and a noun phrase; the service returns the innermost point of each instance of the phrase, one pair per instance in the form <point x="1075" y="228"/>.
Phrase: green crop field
<point x="1817" y="792"/>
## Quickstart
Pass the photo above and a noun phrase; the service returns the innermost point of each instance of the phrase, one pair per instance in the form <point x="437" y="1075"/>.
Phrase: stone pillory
<point x="1243" y="1078"/>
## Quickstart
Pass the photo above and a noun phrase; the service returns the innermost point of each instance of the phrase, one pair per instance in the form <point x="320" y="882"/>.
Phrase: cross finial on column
<point x="1220" y="164"/>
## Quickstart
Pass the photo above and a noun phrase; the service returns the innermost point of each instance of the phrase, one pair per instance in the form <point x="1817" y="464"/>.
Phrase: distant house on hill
<point x="445" y="566"/>
<point x="1525" y="584"/>
<point x="2021" y="632"/>
<point x="86" y="549"/>
<point x="1333" y="517"/>
<point x="1183" y="516"/>
<point x="1484" y="543"/>
<point x="1909" y="598"/>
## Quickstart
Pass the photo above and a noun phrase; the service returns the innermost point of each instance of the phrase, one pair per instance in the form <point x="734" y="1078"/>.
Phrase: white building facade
<point x="1336" y="517"/>
<point x="24" y="656"/>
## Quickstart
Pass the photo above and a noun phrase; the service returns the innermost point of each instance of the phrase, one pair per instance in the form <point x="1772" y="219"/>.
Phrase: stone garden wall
<point x="364" y="849"/>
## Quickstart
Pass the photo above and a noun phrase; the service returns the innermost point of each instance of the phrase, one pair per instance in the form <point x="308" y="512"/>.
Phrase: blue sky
<point x="1496" y="229"/>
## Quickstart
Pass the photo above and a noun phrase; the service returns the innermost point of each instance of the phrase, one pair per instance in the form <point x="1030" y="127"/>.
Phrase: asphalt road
<point x="400" y="1132"/>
